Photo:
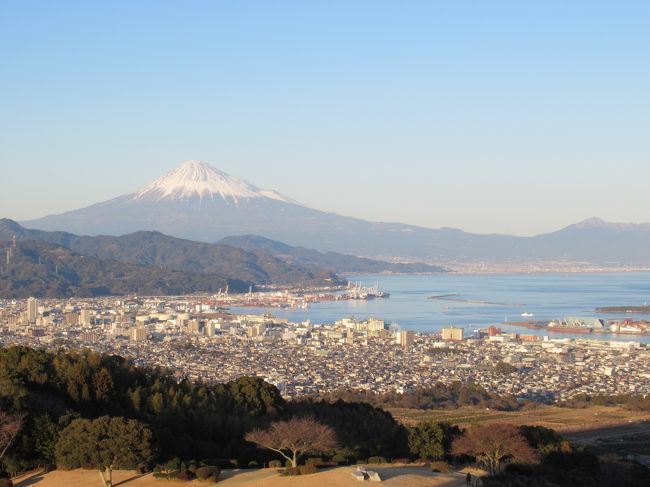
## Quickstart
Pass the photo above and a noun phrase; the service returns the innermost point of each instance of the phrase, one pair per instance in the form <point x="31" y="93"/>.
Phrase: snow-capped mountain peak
<point x="198" y="179"/>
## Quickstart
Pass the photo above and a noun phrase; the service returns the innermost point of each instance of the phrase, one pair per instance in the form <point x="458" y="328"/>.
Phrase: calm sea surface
<point x="546" y="296"/>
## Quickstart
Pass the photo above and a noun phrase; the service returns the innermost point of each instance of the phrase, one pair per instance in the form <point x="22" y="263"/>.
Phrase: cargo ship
<point x="363" y="293"/>
<point x="570" y="329"/>
<point x="576" y="325"/>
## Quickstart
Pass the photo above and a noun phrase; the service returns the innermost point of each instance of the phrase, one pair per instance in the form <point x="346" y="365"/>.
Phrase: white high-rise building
<point x="453" y="334"/>
<point x="210" y="329"/>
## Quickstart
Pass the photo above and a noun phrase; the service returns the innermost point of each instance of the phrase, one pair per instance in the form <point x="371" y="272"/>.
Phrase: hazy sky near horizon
<point x="509" y="117"/>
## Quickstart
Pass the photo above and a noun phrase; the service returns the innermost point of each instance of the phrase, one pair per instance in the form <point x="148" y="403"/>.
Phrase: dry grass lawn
<point x="560" y="419"/>
<point x="395" y="476"/>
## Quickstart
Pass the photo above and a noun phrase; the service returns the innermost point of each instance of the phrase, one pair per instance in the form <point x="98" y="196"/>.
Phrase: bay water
<point x="480" y="300"/>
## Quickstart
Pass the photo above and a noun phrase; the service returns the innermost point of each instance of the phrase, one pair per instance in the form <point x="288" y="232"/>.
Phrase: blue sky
<point x="510" y="117"/>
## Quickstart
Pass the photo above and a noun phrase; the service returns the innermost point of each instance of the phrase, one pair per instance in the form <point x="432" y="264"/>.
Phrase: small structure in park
<point x="364" y="474"/>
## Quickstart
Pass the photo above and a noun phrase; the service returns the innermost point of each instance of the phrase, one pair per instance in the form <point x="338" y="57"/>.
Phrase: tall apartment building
<point x="376" y="325"/>
<point x="453" y="334"/>
<point x="85" y="317"/>
<point x="210" y="328"/>
<point x="193" y="326"/>
<point x="405" y="338"/>
<point x="256" y="330"/>
<point x="138" y="334"/>
<point x="32" y="309"/>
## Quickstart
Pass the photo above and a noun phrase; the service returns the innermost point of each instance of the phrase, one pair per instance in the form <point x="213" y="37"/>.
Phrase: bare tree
<point x="294" y="438"/>
<point x="494" y="444"/>
<point x="9" y="427"/>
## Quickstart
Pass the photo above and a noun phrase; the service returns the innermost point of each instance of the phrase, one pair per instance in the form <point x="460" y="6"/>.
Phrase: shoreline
<point x="535" y="326"/>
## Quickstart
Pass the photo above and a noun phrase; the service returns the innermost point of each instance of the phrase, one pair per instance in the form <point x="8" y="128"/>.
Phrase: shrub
<point x="183" y="477"/>
<point x="275" y="464"/>
<point x="221" y="463"/>
<point x="213" y="479"/>
<point x="376" y="460"/>
<point x="288" y="464"/>
<point x="89" y="466"/>
<point x="192" y="468"/>
<point x="290" y="471"/>
<point x="315" y="461"/>
<point x="203" y="473"/>
<point x="171" y="466"/>
<point x="401" y="460"/>
<point x="307" y="469"/>
<point x="6" y="483"/>
<point x="168" y="475"/>
<point x="253" y="464"/>
<point x="12" y="466"/>
<point x="340" y="458"/>
<point x="440" y="466"/>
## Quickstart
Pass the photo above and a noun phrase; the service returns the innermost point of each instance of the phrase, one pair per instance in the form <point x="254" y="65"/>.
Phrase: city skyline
<point x="492" y="119"/>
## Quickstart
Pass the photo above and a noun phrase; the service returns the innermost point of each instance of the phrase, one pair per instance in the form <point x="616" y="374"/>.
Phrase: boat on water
<point x="570" y="326"/>
<point x="527" y="315"/>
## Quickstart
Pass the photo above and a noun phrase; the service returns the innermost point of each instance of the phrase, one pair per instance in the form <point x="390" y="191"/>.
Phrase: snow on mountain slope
<point x="199" y="179"/>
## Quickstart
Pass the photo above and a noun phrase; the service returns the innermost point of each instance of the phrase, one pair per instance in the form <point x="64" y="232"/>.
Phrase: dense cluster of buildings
<point x="193" y="338"/>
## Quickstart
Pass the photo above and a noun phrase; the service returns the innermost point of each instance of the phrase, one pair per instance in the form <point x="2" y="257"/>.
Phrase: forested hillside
<point x="188" y="420"/>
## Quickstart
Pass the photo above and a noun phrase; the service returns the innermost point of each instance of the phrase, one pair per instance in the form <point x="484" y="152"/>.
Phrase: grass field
<point x="559" y="419"/>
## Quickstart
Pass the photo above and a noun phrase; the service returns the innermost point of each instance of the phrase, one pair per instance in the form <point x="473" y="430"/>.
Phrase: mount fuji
<point x="198" y="202"/>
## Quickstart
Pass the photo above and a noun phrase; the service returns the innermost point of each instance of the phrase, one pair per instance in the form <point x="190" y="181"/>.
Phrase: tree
<point x="426" y="440"/>
<point x="504" y="368"/>
<point x="106" y="442"/>
<point x="494" y="444"/>
<point x="9" y="428"/>
<point x="45" y="434"/>
<point x="294" y="438"/>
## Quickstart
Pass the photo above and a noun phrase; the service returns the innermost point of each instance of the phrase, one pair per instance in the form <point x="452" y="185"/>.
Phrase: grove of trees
<point x="187" y="420"/>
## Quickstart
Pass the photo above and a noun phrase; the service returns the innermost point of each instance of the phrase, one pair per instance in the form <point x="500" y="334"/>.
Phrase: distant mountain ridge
<point x="170" y="253"/>
<point x="339" y="263"/>
<point x="198" y="202"/>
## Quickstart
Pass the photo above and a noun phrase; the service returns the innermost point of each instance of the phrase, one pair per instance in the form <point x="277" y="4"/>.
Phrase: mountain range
<point x="152" y="256"/>
<point x="198" y="202"/>
<point x="339" y="263"/>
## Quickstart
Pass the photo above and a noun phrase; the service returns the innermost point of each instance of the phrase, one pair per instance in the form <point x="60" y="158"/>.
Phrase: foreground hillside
<point x="46" y="270"/>
<point x="80" y="409"/>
